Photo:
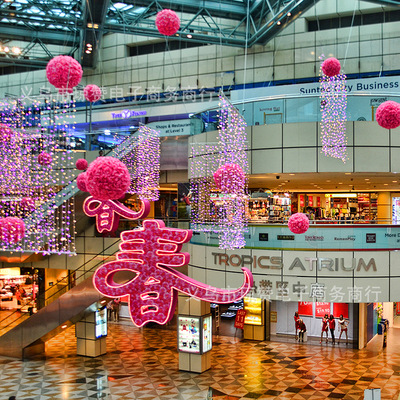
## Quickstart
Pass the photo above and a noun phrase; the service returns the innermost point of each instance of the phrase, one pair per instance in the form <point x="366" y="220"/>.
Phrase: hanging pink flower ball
<point x="64" y="73"/>
<point x="81" y="164"/>
<point x="230" y="178"/>
<point x="298" y="223"/>
<point x="107" y="178"/>
<point x="388" y="115"/>
<point x="81" y="182"/>
<point x="44" y="158"/>
<point x="167" y="22"/>
<point x="6" y="133"/>
<point x="331" y="66"/>
<point x="12" y="230"/>
<point x="92" y="93"/>
<point x="27" y="203"/>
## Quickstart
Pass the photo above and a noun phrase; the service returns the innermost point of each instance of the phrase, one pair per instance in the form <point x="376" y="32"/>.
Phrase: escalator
<point x="22" y="335"/>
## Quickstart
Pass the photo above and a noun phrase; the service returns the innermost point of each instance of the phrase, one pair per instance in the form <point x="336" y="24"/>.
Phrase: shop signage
<point x="341" y="309"/>
<point x="239" y="319"/>
<point x="318" y="237"/>
<point x="263" y="237"/>
<point x="126" y="114"/>
<point x="310" y="263"/>
<point x="305" y="308"/>
<point x="172" y="128"/>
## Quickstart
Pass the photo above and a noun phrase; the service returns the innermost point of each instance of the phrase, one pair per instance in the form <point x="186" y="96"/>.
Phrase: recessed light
<point x="367" y="179"/>
<point x="385" y="184"/>
<point x="278" y="23"/>
<point x="347" y="173"/>
<point x="63" y="326"/>
<point x="394" y="181"/>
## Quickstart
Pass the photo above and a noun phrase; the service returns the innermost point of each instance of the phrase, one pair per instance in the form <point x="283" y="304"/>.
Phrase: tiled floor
<point x="142" y="364"/>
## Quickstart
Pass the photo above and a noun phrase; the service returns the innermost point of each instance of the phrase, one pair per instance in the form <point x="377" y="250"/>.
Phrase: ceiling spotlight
<point x="88" y="52"/>
<point x="189" y="36"/>
<point x="16" y="50"/>
<point x="88" y="45"/>
<point x="107" y="132"/>
<point x="279" y="22"/>
<point x="6" y="49"/>
<point x="289" y="14"/>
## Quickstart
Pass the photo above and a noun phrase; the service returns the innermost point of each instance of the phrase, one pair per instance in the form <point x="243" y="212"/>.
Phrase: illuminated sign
<point x="126" y="114"/>
<point x="152" y="252"/>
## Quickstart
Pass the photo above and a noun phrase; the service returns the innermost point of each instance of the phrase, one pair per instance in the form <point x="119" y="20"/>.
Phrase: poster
<point x="305" y="308"/>
<point x="189" y="334"/>
<point x="341" y="309"/>
<point x="207" y="334"/>
<point x="322" y="308"/>
<point x="239" y="319"/>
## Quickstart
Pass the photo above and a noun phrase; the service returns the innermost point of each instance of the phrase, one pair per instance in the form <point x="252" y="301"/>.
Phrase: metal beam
<point x="49" y="36"/>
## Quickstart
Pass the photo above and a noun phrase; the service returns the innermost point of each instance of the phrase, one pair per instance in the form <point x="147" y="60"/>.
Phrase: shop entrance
<point x="310" y="318"/>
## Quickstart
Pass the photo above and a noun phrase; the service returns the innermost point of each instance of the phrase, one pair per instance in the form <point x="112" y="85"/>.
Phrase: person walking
<point x="115" y="307"/>
<point x="302" y="329"/>
<point x="324" y="327"/>
<point x="332" y="326"/>
<point x="343" y="324"/>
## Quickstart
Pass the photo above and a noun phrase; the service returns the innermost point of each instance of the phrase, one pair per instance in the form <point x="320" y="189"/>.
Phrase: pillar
<point x="189" y="306"/>
<point x="384" y="208"/>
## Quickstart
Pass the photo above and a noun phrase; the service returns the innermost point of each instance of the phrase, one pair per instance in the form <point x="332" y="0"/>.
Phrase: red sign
<point x="239" y="320"/>
<point x="341" y="309"/>
<point x="322" y="308"/>
<point x="301" y="200"/>
<point x="318" y="201"/>
<point x="310" y="201"/>
<point x="398" y="308"/>
<point x="305" y="308"/>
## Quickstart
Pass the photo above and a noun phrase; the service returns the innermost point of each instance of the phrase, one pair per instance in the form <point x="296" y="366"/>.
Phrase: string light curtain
<point x="37" y="162"/>
<point x="218" y="180"/>
<point x="333" y="100"/>
<point x="143" y="163"/>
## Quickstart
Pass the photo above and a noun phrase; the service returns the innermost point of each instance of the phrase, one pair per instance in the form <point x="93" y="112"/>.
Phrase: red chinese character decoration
<point x="151" y="252"/>
<point x="107" y="212"/>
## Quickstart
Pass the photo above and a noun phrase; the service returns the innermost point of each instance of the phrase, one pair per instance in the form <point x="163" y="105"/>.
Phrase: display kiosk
<point x="254" y="322"/>
<point x="194" y="334"/>
<point x="91" y="334"/>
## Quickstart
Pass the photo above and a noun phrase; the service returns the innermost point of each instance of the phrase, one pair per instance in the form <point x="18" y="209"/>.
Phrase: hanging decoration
<point x="388" y="115"/>
<point x="107" y="179"/>
<point x="298" y="223"/>
<point x="92" y="93"/>
<point x="167" y="22"/>
<point x="145" y="164"/>
<point x="333" y="100"/>
<point x="218" y="180"/>
<point x="36" y="162"/>
<point x="81" y="182"/>
<point x="64" y="73"/>
<point x="81" y="164"/>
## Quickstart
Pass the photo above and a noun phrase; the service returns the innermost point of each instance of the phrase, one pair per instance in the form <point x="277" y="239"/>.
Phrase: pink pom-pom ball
<point x="81" y="182"/>
<point x="5" y="133"/>
<point x="12" y="229"/>
<point x="331" y="66"/>
<point x="27" y="203"/>
<point x="81" y="164"/>
<point x="92" y="93"/>
<point x="167" y="22"/>
<point x="64" y="73"/>
<point x="107" y="178"/>
<point x="388" y="115"/>
<point x="230" y="178"/>
<point x="298" y="223"/>
<point x="44" y="158"/>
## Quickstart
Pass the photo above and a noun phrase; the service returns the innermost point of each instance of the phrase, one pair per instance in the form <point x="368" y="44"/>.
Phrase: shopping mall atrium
<point x="199" y="199"/>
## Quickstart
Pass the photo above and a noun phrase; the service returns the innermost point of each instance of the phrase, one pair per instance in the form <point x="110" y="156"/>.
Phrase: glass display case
<point x="194" y="334"/>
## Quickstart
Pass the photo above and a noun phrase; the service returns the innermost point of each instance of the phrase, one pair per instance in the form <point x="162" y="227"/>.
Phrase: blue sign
<point x="126" y="114"/>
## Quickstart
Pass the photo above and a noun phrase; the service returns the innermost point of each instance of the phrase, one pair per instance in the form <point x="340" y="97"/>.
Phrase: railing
<point x="279" y="109"/>
<point x="52" y="294"/>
